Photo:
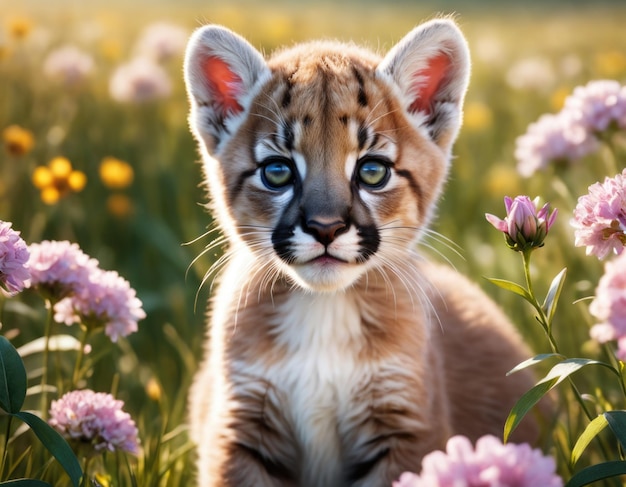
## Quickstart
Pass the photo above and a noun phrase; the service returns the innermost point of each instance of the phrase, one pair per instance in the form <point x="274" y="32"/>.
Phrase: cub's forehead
<point x="324" y="80"/>
<point x="309" y="60"/>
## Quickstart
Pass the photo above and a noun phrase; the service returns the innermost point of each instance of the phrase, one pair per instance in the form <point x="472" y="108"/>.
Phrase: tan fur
<point x="347" y="358"/>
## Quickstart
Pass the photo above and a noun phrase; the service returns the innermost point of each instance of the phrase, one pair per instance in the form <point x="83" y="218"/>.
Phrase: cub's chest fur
<point x="318" y="376"/>
<point x="336" y="355"/>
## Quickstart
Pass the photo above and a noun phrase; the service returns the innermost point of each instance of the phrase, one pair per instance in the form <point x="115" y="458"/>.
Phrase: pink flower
<point x="69" y="65"/>
<point x="491" y="464"/>
<point x="600" y="217"/>
<point x="107" y="301"/>
<point x="598" y="105"/>
<point x="573" y="132"/>
<point x="59" y="268"/>
<point x="609" y="306"/>
<point x="138" y="81"/>
<point x="524" y="227"/>
<point x="552" y="139"/>
<point x="14" y="273"/>
<point x="162" y="41"/>
<point x="94" y="418"/>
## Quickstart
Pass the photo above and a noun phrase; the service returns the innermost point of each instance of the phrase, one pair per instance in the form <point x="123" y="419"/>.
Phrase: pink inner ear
<point x="224" y="84"/>
<point x="430" y="79"/>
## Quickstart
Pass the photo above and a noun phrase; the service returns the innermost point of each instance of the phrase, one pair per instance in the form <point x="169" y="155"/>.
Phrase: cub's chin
<point x="325" y="274"/>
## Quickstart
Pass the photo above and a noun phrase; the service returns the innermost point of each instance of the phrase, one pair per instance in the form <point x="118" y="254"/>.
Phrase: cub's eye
<point x="276" y="173"/>
<point x="373" y="173"/>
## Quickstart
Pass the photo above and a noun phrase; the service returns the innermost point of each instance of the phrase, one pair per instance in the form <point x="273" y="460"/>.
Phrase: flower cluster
<point x="162" y="41"/>
<point x="105" y="300"/>
<point x="600" y="217"/>
<point x="491" y="464"/>
<point x="143" y="79"/>
<point x="96" y="419"/>
<point x="58" y="269"/>
<point x="573" y="132"/>
<point x="17" y="140"/>
<point x="58" y="179"/>
<point x="524" y="226"/>
<point x="609" y="306"/>
<point x="68" y="65"/>
<point x="14" y="255"/>
<point x="82" y="292"/>
<point x="139" y="80"/>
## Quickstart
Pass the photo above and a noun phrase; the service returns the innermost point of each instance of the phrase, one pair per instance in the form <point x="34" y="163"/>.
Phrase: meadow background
<point x="150" y="225"/>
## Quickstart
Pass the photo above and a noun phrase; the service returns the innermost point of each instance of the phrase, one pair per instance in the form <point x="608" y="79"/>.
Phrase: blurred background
<point x="97" y="151"/>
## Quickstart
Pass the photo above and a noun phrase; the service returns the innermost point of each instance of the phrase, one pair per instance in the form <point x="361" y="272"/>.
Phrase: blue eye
<point x="277" y="173"/>
<point x="373" y="173"/>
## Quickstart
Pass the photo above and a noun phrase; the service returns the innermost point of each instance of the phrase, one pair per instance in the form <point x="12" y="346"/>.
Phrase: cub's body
<point x="336" y="355"/>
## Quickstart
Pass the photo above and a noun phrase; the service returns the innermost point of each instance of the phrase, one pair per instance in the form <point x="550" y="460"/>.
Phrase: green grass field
<point x="151" y="229"/>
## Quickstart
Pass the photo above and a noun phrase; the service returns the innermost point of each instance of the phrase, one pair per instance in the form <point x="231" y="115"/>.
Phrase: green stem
<point x="547" y="327"/>
<point x="86" y="476"/>
<point x="7" y="437"/>
<point x="79" y="359"/>
<point x="46" y="353"/>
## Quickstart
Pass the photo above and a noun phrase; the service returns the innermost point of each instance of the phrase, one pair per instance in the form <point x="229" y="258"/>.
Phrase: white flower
<point x="161" y="41"/>
<point x="139" y="81"/>
<point x="68" y="64"/>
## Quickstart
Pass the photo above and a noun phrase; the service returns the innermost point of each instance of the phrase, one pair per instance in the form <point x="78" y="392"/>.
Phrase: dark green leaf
<point x="557" y="374"/>
<point x="513" y="287"/>
<point x="25" y="483"/>
<point x="617" y="423"/>
<point x="552" y="298"/>
<point x="597" y="472"/>
<point x="525" y="404"/>
<point x="591" y="431"/>
<point x="55" y="444"/>
<point x="533" y="361"/>
<point x="12" y="378"/>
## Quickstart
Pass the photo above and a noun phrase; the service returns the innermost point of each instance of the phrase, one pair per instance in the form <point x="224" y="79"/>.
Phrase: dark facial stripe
<point x="288" y="136"/>
<point x="369" y="242"/>
<point x="361" y="137"/>
<point x="361" y="97"/>
<point x="240" y="182"/>
<point x="287" y="95"/>
<point x="415" y="187"/>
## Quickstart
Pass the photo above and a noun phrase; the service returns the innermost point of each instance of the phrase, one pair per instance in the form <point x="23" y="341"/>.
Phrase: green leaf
<point x="617" y="423"/>
<point x="591" y="431"/>
<point x="533" y="361"/>
<point x="511" y="286"/>
<point x="557" y="374"/>
<point x="597" y="472"/>
<point x="55" y="444"/>
<point x="525" y="404"/>
<point x="25" y="483"/>
<point x="552" y="298"/>
<point x="12" y="378"/>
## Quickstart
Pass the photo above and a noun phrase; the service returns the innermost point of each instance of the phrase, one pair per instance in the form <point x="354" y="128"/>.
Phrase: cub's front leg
<point x="406" y="420"/>
<point x="247" y="441"/>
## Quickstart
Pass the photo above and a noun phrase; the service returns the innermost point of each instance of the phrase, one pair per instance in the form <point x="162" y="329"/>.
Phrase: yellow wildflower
<point x="17" y="140"/>
<point x="610" y="64"/>
<point x="477" y="116"/>
<point x="19" y="27"/>
<point x="119" y="205"/>
<point x="115" y="173"/>
<point x="57" y="180"/>
<point x="153" y="389"/>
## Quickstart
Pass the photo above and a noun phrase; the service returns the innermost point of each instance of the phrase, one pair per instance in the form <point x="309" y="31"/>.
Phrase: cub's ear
<point x="431" y="67"/>
<point x="222" y="72"/>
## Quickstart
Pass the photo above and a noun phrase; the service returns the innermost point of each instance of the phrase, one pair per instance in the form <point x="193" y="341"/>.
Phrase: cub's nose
<point x="325" y="230"/>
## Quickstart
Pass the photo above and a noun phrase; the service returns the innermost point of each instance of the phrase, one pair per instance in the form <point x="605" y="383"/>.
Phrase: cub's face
<point x="326" y="160"/>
